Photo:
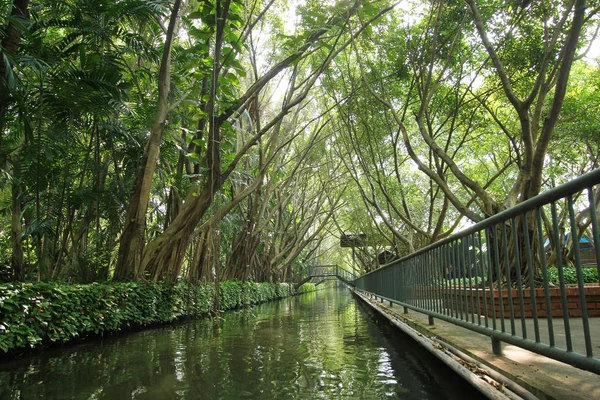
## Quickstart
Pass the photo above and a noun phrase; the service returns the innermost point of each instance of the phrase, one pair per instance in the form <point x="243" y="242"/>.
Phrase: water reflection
<point x="318" y="345"/>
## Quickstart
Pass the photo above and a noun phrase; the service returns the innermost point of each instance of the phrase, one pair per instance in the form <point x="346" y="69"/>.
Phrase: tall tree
<point x="131" y="244"/>
<point x="168" y="250"/>
<point x="453" y="84"/>
<point x="11" y="34"/>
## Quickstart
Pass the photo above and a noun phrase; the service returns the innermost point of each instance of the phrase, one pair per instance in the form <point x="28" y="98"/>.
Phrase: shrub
<point x="43" y="313"/>
<point x="307" y="287"/>
<point x="590" y="275"/>
<point x="462" y="281"/>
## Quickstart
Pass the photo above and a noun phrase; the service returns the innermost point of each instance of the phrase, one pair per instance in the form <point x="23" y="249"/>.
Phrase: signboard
<point x="353" y="240"/>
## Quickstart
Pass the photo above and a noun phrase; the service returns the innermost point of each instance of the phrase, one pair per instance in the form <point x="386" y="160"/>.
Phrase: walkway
<point x="544" y="377"/>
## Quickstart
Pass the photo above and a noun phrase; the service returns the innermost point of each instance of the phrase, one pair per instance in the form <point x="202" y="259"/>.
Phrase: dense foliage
<point x="453" y="111"/>
<point x="164" y="139"/>
<point x="32" y="315"/>
<point x="590" y="275"/>
<point x="213" y="140"/>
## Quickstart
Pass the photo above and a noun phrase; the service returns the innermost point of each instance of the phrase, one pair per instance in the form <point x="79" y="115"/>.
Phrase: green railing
<point x="329" y="270"/>
<point x="495" y="277"/>
<point x="345" y="275"/>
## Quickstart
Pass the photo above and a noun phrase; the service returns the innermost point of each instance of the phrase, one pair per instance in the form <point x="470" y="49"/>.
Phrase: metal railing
<point x="322" y="270"/>
<point x="329" y="270"/>
<point x="344" y="274"/>
<point x="507" y="276"/>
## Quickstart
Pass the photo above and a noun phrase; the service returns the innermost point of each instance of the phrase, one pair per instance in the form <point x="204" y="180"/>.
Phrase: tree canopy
<point x="233" y="139"/>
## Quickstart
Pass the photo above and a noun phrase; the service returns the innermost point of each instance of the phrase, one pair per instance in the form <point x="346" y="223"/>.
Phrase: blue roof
<point x="583" y="239"/>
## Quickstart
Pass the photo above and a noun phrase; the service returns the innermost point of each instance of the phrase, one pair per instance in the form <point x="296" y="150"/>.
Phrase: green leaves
<point x="35" y="314"/>
<point x="307" y="287"/>
<point x="570" y="275"/>
<point x="194" y="157"/>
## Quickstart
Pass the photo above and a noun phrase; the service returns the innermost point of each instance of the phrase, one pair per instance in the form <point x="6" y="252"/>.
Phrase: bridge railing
<point x="518" y="276"/>
<point x="322" y="270"/>
<point x="329" y="270"/>
<point x="345" y="274"/>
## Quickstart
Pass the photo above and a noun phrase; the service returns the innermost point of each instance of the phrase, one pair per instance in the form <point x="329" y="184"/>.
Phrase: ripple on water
<point x="316" y="346"/>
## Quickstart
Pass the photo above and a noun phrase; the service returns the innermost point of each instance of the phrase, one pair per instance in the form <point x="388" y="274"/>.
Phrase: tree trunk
<point x="244" y="247"/>
<point x="17" y="258"/>
<point x="173" y="199"/>
<point x="515" y="247"/>
<point x="167" y="251"/>
<point x="132" y="242"/>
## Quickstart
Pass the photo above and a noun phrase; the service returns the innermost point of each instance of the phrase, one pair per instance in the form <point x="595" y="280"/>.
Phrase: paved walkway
<point x="542" y="376"/>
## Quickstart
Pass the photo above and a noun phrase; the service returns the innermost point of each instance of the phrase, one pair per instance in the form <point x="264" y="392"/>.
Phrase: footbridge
<point x="328" y="272"/>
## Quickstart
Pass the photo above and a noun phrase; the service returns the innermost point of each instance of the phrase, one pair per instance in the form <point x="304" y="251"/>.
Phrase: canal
<point x="322" y="344"/>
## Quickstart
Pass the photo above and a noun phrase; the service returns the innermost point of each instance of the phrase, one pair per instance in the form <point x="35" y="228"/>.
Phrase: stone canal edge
<point x="517" y="374"/>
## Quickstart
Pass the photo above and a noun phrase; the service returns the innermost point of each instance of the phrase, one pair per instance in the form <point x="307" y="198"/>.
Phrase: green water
<point x="319" y="345"/>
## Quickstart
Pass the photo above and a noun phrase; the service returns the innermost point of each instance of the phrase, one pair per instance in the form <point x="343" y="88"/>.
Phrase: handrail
<point x="589" y="179"/>
<point x="315" y="271"/>
<point x="493" y="277"/>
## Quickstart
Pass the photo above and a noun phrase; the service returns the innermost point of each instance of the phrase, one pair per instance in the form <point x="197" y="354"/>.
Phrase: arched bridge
<point x="328" y="272"/>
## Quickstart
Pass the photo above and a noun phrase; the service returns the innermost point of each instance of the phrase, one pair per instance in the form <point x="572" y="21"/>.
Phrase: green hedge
<point x="306" y="287"/>
<point x="590" y="275"/>
<point x="43" y="313"/>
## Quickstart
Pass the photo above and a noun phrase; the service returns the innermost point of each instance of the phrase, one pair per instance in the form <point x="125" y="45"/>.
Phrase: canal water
<point x="320" y="345"/>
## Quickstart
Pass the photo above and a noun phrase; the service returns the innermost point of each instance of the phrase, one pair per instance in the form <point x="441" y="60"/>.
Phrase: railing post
<point x="496" y="347"/>
<point x="430" y="320"/>
<point x="405" y="310"/>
